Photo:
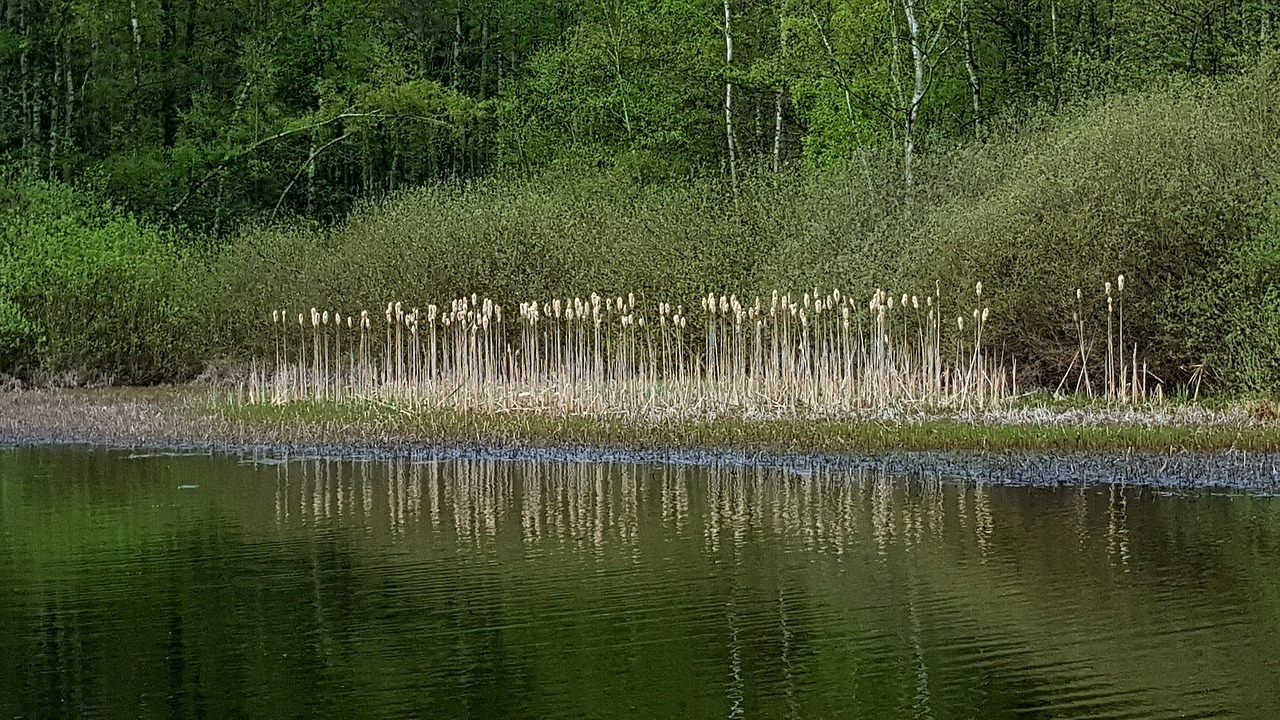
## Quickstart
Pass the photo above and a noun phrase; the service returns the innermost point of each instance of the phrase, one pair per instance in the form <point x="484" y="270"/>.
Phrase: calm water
<point x="209" y="587"/>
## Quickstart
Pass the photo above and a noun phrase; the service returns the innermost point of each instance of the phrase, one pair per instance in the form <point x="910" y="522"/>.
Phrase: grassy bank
<point x="1040" y="430"/>
<point x="198" y="418"/>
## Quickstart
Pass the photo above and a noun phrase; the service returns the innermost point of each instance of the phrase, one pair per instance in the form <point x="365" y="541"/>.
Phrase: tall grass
<point x="814" y="353"/>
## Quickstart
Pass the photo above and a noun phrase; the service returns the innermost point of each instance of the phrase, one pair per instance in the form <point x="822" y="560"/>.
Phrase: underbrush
<point x="1174" y="188"/>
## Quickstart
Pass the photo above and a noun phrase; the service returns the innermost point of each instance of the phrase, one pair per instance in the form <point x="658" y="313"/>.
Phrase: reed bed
<point x="813" y="354"/>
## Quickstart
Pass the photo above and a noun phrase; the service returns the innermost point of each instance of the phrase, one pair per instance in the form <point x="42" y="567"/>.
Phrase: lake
<point x="223" y="586"/>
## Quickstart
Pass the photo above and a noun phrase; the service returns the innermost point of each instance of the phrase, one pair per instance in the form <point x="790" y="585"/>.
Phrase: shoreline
<point x="1176" y="448"/>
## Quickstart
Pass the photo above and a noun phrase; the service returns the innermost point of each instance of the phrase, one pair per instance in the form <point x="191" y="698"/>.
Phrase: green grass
<point x="324" y="423"/>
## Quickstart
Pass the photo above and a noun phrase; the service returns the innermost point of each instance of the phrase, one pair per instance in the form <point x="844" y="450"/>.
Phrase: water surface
<point x="213" y="587"/>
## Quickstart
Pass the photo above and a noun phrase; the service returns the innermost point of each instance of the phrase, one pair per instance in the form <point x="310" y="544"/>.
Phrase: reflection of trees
<point x="491" y="586"/>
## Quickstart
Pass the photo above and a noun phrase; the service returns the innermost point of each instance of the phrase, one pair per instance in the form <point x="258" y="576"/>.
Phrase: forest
<point x="174" y="170"/>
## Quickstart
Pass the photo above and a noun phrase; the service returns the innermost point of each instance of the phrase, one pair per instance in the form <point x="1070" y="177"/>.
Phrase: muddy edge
<point x="176" y="419"/>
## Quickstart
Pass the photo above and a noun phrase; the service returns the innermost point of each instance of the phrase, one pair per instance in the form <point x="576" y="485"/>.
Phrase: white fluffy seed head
<point x="1108" y="288"/>
<point x="275" y="316"/>
<point x="1120" y="283"/>
<point x="978" y="288"/>
<point x="960" y="321"/>
<point x="986" y="311"/>
<point x="300" y="323"/>
<point x="1079" y="295"/>
<point x="904" y="300"/>
<point x="915" y="302"/>
<point x="324" y="318"/>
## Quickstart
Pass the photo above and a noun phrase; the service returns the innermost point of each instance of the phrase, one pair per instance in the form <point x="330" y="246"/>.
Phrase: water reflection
<point x="484" y="588"/>
<point x="597" y="506"/>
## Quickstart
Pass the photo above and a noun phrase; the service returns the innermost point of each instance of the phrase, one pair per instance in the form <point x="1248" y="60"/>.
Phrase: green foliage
<point x="88" y="292"/>
<point x="1161" y="186"/>
<point x="511" y="239"/>
<point x="1243" y="302"/>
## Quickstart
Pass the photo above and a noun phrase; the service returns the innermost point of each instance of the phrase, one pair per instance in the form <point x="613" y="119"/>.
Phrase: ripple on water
<point x="486" y="588"/>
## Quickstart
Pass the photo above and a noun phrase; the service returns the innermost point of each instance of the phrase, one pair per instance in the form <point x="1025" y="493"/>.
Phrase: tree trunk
<point x="1264" y="32"/>
<point x="168" y="93"/>
<point x="917" y="91"/>
<point x="777" y="130"/>
<point x="971" y="68"/>
<point x="456" y="70"/>
<point x="135" y="58"/>
<point x="777" y="98"/>
<point x="54" y="87"/>
<point x="68" y="139"/>
<point x="484" y="55"/>
<point x="24" y="64"/>
<point x="731" y="140"/>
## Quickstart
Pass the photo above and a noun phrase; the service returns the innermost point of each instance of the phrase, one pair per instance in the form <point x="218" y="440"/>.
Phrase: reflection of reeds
<point x="601" y="508"/>
<point x="817" y="354"/>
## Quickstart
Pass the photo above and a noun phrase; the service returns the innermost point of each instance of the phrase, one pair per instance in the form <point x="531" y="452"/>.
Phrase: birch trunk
<point x="455" y="74"/>
<point x="731" y="140"/>
<point x="68" y="139"/>
<point x="54" y="87"/>
<point x="910" y="10"/>
<point x="971" y="68"/>
<point x="24" y="69"/>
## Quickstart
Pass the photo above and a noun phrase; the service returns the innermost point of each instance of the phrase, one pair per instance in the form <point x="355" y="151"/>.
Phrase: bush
<point x="87" y="291"/>
<point x="508" y="239"/>
<point x="1164" y="187"/>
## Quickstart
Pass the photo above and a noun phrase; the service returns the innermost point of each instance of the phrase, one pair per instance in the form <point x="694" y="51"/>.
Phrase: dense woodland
<point x="206" y="113"/>
<point x="157" y="148"/>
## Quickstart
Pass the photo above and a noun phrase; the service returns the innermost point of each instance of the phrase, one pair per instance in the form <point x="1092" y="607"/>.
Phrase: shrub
<point x="86" y="290"/>
<point x="1162" y="186"/>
